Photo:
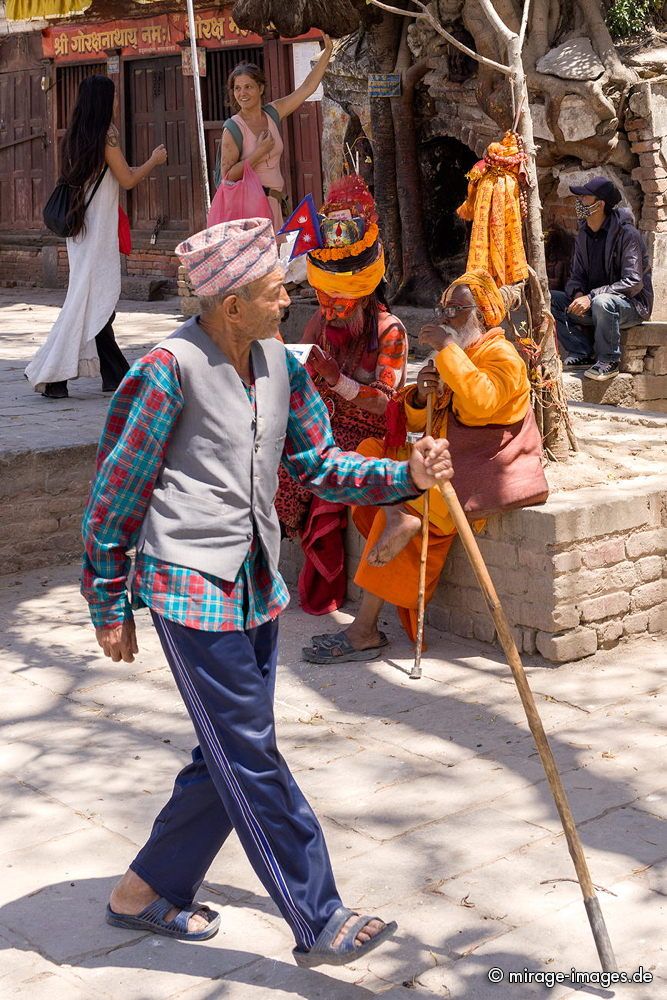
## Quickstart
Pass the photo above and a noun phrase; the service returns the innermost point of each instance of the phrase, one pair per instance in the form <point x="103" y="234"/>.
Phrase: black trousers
<point x="113" y="363"/>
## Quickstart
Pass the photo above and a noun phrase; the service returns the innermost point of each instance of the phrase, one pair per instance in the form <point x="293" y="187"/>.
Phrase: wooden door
<point x="306" y="124"/>
<point x="23" y="150"/>
<point x="156" y="114"/>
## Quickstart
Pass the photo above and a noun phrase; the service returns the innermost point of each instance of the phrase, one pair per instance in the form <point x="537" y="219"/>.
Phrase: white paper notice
<point x="303" y="55"/>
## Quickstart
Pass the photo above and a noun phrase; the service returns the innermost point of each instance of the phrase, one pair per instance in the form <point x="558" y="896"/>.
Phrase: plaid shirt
<point x="131" y="453"/>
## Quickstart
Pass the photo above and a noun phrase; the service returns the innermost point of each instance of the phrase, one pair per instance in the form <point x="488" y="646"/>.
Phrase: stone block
<point x="606" y="553"/>
<point x="461" y="623"/>
<point x="649" y="146"/>
<point x="657" y="619"/>
<point x="576" y="119"/>
<point x="632" y="365"/>
<point x="573" y="645"/>
<point x="619" y="391"/>
<point x="567" y="562"/>
<point x="653" y="334"/>
<point x="575" y="59"/>
<point x="483" y="628"/>
<point x="646" y="543"/>
<point x="658" y="359"/>
<point x="546" y="618"/>
<point x="650" y="568"/>
<point x="609" y="633"/>
<point x="651" y="386"/>
<point x="636" y="623"/>
<point x="592" y="583"/>
<point x="648" y="595"/>
<point x="652" y="405"/>
<point x="599" y="608"/>
<point x="529" y="636"/>
<point x="647" y="173"/>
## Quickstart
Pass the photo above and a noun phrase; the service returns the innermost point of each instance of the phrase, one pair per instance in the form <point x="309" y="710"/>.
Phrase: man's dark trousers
<point x="237" y="780"/>
<point x="598" y="332"/>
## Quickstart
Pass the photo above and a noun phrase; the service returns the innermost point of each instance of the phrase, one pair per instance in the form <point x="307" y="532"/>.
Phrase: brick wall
<point x="148" y="262"/>
<point x="579" y="574"/>
<point x="30" y="265"/>
<point x="42" y="497"/>
<point x="21" y="267"/>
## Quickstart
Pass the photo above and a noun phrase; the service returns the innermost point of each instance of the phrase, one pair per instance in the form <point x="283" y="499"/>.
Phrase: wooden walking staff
<point x="416" y="672"/>
<point x="596" y="920"/>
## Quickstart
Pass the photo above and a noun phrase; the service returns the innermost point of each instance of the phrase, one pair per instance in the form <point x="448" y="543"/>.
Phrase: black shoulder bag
<point x="57" y="209"/>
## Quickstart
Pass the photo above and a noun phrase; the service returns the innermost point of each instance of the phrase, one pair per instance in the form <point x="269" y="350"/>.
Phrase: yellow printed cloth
<point x="24" y="10"/>
<point x="493" y="206"/>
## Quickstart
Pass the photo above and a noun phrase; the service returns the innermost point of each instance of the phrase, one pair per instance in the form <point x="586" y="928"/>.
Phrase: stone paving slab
<point x="30" y="422"/>
<point x="430" y="794"/>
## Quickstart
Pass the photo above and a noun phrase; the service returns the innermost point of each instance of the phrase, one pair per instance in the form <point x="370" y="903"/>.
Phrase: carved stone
<point x="573" y="60"/>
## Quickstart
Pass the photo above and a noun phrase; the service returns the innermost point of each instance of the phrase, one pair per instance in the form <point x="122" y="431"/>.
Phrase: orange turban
<point x="486" y="295"/>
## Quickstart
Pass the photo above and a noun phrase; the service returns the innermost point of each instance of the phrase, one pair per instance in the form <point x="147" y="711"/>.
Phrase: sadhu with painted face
<point x="358" y="361"/>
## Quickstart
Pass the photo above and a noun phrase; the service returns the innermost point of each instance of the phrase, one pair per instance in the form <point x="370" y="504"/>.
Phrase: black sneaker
<point x="572" y="363"/>
<point x="602" y="371"/>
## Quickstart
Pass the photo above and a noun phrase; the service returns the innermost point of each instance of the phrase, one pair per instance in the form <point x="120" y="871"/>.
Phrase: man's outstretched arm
<point x="312" y="458"/>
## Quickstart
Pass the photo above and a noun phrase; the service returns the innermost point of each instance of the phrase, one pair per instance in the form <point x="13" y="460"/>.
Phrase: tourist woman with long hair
<point x="252" y="135"/>
<point x="82" y="342"/>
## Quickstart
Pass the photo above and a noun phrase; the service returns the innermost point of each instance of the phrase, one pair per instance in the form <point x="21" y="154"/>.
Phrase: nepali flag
<point x="305" y="222"/>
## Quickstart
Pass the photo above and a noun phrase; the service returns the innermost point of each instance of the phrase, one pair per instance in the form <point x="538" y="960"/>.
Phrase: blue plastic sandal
<point x="323" y="951"/>
<point x="152" y="919"/>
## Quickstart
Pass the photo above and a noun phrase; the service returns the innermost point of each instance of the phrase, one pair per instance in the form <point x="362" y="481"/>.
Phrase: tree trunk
<point x="420" y="282"/>
<point x="383" y="40"/>
<point x="550" y="397"/>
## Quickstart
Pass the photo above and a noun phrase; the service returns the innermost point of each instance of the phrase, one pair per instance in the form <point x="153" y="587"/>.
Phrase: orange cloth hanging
<point x="493" y="206"/>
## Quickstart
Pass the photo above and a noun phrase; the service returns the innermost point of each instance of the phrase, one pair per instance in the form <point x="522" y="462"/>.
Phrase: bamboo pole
<point x="591" y="902"/>
<point x="416" y="672"/>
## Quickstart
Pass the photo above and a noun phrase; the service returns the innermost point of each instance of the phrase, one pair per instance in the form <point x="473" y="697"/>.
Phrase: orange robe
<point x="488" y="384"/>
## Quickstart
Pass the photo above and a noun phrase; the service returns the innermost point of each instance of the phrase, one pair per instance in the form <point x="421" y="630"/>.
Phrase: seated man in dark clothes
<point x="610" y="283"/>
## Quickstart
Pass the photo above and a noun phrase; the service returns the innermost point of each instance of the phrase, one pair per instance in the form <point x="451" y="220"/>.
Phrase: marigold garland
<point x="353" y="250"/>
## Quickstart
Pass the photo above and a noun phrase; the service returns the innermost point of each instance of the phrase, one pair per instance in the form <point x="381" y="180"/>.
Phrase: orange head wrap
<point x="486" y="295"/>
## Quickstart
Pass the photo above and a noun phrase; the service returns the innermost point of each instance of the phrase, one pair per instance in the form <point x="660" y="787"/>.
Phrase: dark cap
<point x="600" y="187"/>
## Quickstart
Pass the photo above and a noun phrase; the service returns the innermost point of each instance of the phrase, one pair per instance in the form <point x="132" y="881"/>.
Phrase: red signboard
<point x="161" y="35"/>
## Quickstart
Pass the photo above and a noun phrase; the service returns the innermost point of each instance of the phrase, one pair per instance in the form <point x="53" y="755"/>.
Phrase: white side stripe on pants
<point x="261" y="842"/>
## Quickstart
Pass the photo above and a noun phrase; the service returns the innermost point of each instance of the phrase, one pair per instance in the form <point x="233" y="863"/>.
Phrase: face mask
<point x="584" y="212"/>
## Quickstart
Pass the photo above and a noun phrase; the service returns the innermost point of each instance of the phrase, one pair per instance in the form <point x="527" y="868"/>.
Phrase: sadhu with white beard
<point x="358" y="362"/>
<point x="479" y="375"/>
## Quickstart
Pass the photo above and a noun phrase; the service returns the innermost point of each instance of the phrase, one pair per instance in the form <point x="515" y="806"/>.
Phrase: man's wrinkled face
<point x="461" y="318"/>
<point x="261" y="312"/>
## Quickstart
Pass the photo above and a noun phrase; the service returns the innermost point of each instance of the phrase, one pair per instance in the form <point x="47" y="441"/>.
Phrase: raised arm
<point x="128" y="177"/>
<point x="287" y="105"/>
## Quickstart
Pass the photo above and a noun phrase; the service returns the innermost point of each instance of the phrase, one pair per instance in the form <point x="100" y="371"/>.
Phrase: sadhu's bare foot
<point x="132" y="895"/>
<point x="401" y="527"/>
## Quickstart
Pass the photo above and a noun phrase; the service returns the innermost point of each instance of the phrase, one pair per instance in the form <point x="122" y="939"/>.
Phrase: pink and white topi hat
<point x="227" y="256"/>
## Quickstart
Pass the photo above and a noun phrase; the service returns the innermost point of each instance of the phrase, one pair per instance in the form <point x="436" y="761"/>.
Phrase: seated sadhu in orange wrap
<point x="358" y="361"/>
<point x="481" y="375"/>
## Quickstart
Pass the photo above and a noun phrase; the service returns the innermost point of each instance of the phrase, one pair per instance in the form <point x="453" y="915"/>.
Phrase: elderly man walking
<point x="480" y="377"/>
<point x="187" y="472"/>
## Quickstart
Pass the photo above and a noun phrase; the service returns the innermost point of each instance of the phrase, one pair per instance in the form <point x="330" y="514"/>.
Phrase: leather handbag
<point x="56" y="212"/>
<point x="497" y="467"/>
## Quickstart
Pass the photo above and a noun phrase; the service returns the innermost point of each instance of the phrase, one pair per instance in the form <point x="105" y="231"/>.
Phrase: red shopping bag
<point x="124" y="234"/>
<point x="244" y="199"/>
